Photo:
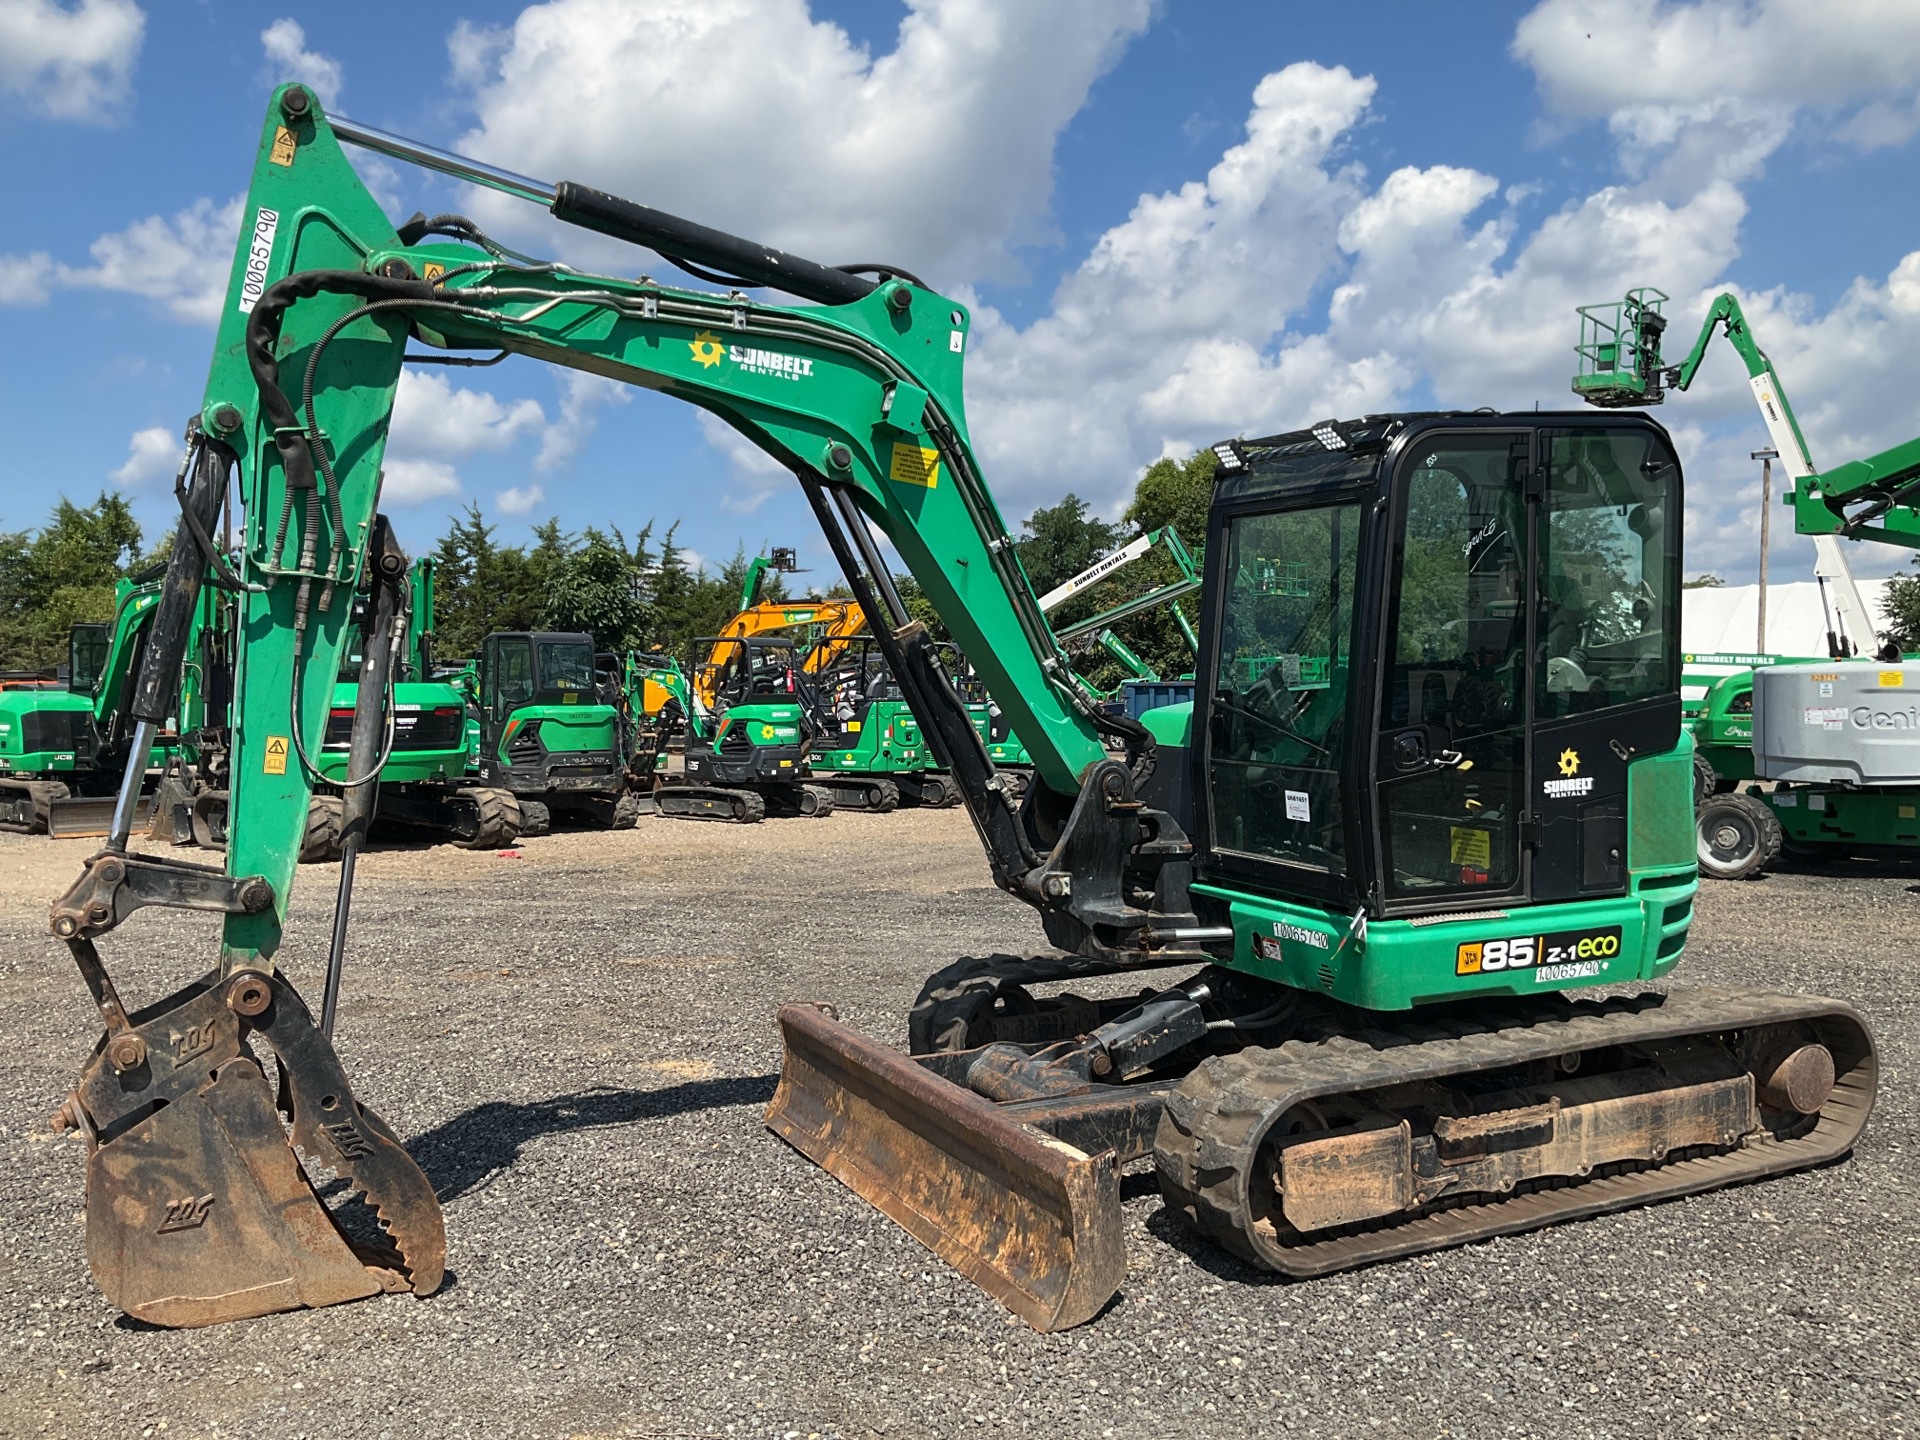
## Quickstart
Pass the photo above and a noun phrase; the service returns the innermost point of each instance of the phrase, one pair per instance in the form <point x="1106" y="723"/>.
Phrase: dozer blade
<point x="1029" y="1219"/>
<point x="78" y="817"/>
<point x="198" y="1209"/>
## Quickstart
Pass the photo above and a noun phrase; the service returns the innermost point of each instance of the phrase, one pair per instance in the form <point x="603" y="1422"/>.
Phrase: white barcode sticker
<point x="1297" y="805"/>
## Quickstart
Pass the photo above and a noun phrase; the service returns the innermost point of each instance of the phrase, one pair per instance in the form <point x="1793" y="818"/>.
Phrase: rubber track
<point x="850" y="792"/>
<point x="675" y="801"/>
<point x="42" y="793"/>
<point x="1214" y="1119"/>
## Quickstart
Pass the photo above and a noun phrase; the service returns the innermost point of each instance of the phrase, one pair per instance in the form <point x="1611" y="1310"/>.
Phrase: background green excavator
<point x="1399" y="831"/>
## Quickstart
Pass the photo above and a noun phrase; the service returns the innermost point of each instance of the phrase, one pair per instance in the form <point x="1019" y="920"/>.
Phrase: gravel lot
<point x="578" y="1045"/>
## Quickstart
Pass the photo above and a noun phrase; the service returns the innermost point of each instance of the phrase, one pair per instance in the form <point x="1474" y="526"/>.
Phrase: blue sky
<point x="1175" y="221"/>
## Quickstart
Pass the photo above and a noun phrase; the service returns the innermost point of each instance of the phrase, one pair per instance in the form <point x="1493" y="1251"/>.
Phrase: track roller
<point x="709" y="802"/>
<point x="877" y="795"/>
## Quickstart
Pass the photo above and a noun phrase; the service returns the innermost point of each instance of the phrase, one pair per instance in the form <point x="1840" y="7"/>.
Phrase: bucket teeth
<point x="198" y="1209"/>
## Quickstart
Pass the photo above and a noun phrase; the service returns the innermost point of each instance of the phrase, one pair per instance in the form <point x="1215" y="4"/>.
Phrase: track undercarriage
<point x="742" y="804"/>
<point x="1304" y="1136"/>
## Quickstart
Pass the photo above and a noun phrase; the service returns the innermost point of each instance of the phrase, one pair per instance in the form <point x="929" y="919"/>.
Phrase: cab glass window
<point x="1279" y="726"/>
<point x="566" y="666"/>
<point x="1609" y="572"/>
<point x="514" y="656"/>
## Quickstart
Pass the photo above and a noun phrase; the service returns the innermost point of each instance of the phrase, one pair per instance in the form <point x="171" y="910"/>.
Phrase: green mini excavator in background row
<point x="1384" y="851"/>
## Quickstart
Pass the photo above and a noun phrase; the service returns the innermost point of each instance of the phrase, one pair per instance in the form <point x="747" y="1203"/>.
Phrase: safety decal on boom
<point x="1563" y="955"/>
<point x="912" y="465"/>
<point x="275" y="761"/>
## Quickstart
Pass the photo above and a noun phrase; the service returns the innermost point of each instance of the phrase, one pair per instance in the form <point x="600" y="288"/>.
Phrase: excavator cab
<point x="1470" y="621"/>
<point x="545" y="732"/>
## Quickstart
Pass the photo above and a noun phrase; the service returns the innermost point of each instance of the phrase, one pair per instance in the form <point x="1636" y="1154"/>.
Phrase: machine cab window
<point x="1279" y="711"/>
<point x="86" y="657"/>
<point x="506" y="673"/>
<point x="1608" y="573"/>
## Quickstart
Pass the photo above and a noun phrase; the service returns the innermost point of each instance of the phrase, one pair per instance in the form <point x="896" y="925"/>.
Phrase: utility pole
<point x="1766" y="459"/>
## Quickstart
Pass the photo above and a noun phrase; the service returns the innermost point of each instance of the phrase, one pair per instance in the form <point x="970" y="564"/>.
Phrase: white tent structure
<point x="1724" y="619"/>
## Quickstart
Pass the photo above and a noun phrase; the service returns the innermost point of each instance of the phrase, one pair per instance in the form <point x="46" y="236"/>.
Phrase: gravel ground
<point x="578" y="1045"/>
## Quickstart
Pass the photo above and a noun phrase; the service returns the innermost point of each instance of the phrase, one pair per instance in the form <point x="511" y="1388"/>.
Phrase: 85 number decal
<point x="1525" y="952"/>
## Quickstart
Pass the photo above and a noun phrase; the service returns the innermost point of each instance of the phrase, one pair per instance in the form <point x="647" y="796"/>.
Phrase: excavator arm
<point x="857" y="391"/>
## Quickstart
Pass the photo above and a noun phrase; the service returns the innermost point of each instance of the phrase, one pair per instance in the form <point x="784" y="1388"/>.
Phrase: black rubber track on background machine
<point x="1211" y="1126"/>
<point x="709" y="802"/>
<point x="19" y="795"/>
<point x="878" y="795"/>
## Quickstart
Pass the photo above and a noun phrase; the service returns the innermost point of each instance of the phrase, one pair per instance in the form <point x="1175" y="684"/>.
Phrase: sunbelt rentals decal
<point x="1571" y="782"/>
<point x="709" y="350"/>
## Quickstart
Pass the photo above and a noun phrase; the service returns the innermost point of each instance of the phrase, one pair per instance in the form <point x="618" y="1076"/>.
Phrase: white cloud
<point x="1593" y="57"/>
<point x="432" y="417"/>
<point x="288" y="58"/>
<point x="71" y="62"/>
<point x="752" y="116"/>
<point x="26" y="279"/>
<point x="756" y="475"/>
<point x="518" y="499"/>
<point x="1707" y="90"/>
<point x="414" y="482"/>
<point x="152" y="454"/>
<point x="180" y="262"/>
<point x="580" y="395"/>
<point x="1174" y="329"/>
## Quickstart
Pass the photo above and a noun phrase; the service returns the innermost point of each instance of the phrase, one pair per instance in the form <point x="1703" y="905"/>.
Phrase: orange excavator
<point x="828" y="624"/>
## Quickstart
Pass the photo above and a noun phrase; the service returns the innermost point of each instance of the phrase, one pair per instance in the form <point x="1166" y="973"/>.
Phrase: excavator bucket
<point x="198" y="1210"/>
<point x="1029" y="1219"/>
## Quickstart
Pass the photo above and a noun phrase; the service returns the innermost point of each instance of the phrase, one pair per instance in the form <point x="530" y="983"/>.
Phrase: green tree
<point x="1703" y="582"/>
<point x="597" y="589"/>
<point x="64" y="573"/>
<point x="1059" y="541"/>
<point x="1900" y="611"/>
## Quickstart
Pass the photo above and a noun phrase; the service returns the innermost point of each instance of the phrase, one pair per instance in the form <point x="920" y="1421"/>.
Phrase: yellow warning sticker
<point x="276" y="761"/>
<point x="915" y="466"/>
<point x="1471" y="847"/>
<point x="1892" y="679"/>
<point x="432" y="270"/>
<point x="283" y="146"/>
<point x="1906" y="812"/>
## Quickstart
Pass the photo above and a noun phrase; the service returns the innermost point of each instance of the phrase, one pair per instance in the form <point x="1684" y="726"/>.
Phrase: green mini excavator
<point x="1412" y="886"/>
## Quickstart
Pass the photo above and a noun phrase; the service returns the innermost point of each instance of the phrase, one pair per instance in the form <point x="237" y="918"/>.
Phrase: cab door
<point x="1606" y="663"/>
<point x="1451" y="768"/>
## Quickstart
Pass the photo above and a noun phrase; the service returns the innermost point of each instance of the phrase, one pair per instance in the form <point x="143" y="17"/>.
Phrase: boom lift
<point x="1384" y="885"/>
<point x="1846" y="783"/>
